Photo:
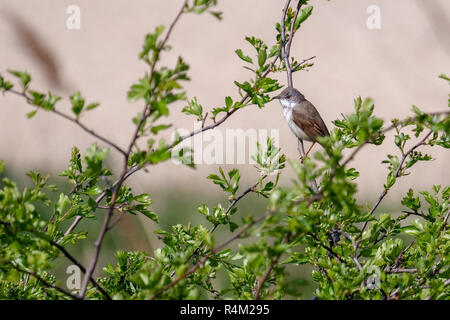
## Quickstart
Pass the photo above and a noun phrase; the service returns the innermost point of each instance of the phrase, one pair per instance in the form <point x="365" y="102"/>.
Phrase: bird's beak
<point x="274" y="98"/>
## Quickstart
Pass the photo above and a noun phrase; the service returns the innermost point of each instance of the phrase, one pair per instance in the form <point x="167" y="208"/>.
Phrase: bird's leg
<point x="309" y="149"/>
<point x="301" y="150"/>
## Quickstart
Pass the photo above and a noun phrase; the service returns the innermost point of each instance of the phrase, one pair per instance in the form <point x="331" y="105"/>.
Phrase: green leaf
<point x="31" y="114"/>
<point x="158" y="128"/>
<point x="304" y="14"/>
<point x="77" y="103"/>
<point x="217" y="14"/>
<point x="194" y="108"/>
<point x="243" y="57"/>
<point x="24" y="77"/>
<point x="228" y="102"/>
<point x="262" y="57"/>
<point x="139" y="90"/>
<point x="92" y="105"/>
<point x="149" y="214"/>
<point x="297" y="258"/>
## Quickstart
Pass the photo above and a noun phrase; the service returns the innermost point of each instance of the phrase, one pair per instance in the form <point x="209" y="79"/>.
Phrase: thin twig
<point x="264" y="278"/>
<point x="292" y="31"/>
<point x="82" y="268"/>
<point x="400" y="256"/>
<point x="117" y="220"/>
<point x="74" y="120"/>
<point x="227" y="115"/>
<point x="236" y="200"/>
<point x="101" y="196"/>
<point x="329" y="249"/>
<point x="284" y="54"/>
<point x="213" y="290"/>
<point x="400" y="270"/>
<point x="45" y="282"/>
<point x="445" y="220"/>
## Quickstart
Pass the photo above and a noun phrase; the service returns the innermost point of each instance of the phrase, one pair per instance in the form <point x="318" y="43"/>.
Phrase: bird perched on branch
<point x="302" y="117"/>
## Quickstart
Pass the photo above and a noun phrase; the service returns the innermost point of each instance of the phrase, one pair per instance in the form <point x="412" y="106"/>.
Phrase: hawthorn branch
<point x="136" y="168"/>
<point x="101" y="196"/>
<point x="400" y="256"/>
<point x="72" y="259"/>
<point x="387" y="129"/>
<point x="212" y="252"/>
<point x="213" y="290"/>
<point x="284" y="54"/>
<point x="125" y="170"/>
<point x="328" y="248"/>
<point x="82" y="268"/>
<point x="45" y="282"/>
<point x="400" y="270"/>
<point x="236" y="200"/>
<point x="74" y="120"/>
<point x="228" y="114"/>
<point x="397" y="175"/>
<point x="264" y="278"/>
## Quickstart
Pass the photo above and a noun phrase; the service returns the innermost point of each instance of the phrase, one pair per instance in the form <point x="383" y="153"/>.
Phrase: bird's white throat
<point x="287" y="104"/>
<point x="287" y="112"/>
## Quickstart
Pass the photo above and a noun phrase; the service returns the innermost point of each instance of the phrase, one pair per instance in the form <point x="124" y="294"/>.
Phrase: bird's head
<point x="290" y="96"/>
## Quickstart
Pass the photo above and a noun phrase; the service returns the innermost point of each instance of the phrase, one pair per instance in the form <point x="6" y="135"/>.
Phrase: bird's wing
<point x="309" y="120"/>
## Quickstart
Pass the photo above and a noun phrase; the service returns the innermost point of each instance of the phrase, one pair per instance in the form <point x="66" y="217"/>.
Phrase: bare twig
<point x="117" y="220"/>
<point x="445" y="220"/>
<point x="292" y="31"/>
<point x="284" y="54"/>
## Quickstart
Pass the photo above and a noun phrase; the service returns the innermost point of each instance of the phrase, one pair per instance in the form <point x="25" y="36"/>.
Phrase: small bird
<point x="302" y="117"/>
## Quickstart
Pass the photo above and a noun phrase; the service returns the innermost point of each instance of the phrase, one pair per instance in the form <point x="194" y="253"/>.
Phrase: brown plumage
<point x="306" y="116"/>
<point x="302" y="117"/>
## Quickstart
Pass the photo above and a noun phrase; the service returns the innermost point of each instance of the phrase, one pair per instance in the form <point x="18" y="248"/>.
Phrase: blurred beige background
<point x="397" y="66"/>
